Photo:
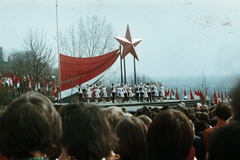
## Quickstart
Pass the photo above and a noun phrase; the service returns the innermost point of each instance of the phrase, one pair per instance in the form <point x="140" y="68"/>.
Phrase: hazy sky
<point x="180" y="37"/>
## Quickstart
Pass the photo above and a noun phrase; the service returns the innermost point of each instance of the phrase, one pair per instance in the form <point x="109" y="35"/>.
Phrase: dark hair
<point x="146" y="120"/>
<point x="113" y="115"/>
<point x="30" y="123"/>
<point x="132" y="134"/>
<point x="200" y="126"/>
<point x="223" y="110"/>
<point x="224" y="142"/>
<point x="204" y="116"/>
<point x="165" y="107"/>
<point x="236" y="101"/>
<point x="86" y="132"/>
<point x="170" y="136"/>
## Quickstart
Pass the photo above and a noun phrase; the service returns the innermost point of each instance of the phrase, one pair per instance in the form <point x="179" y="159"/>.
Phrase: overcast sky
<point x="180" y="37"/>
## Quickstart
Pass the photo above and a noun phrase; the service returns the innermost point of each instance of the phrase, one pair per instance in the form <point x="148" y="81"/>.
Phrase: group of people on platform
<point x="149" y="92"/>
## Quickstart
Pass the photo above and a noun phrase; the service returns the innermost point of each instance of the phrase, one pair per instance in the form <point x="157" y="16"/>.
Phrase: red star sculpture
<point x="129" y="44"/>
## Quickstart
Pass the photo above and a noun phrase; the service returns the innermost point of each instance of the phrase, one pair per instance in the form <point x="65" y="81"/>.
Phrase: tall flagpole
<point x="134" y="70"/>
<point x="121" y="64"/>
<point x="58" y="55"/>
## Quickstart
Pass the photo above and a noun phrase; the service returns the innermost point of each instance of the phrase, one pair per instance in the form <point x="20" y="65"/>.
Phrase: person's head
<point x="170" y="136"/>
<point x="236" y="101"/>
<point x="146" y="120"/>
<point x="204" y="116"/>
<point x="113" y="115"/>
<point x="223" y="110"/>
<point x="200" y="126"/>
<point x="132" y="139"/>
<point x="30" y="124"/>
<point x="224" y="142"/>
<point x="86" y="132"/>
<point x="124" y="109"/>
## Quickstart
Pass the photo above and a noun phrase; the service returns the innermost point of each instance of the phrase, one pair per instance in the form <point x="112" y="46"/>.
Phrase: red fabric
<point x="17" y="81"/>
<point x="54" y="88"/>
<point x="44" y="89"/>
<point x="185" y="93"/>
<point x="215" y="98"/>
<point x="191" y="154"/>
<point x="166" y="93"/>
<point x="79" y="70"/>
<point x="230" y="95"/>
<point x="27" y="84"/>
<point x="172" y="92"/>
<point x="177" y="94"/>
<point x="222" y="96"/>
<point x="202" y="96"/>
<point x="191" y="96"/>
<point x="12" y="78"/>
<point x="6" y="76"/>
<point x="226" y="94"/>
<point x="219" y="94"/>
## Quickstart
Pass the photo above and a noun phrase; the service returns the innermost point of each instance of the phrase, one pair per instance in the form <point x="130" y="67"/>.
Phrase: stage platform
<point x="134" y="104"/>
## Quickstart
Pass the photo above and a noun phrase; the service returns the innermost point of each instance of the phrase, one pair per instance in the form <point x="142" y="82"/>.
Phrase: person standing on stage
<point x="137" y="91"/>
<point x="155" y="92"/>
<point x="161" y="92"/>
<point x="80" y="92"/>
<point x="125" y="93"/>
<point x="113" y="92"/>
<point x="149" y="92"/>
<point x="130" y="93"/>
<point x="104" y="93"/>
<point x="141" y="92"/>
<point x="89" y="93"/>
<point x="145" y="93"/>
<point x="97" y="94"/>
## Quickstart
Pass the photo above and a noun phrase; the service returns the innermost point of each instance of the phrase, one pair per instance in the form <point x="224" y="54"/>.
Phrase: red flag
<point x="226" y="94"/>
<point x="7" y="78"/>
<point x="54" y="88"/>
<point x="17" y="81"/>
<point x="219" y="95"/>
<point x="222" y="96"/>
<point x="215" y="98"/>
<point x="0" y="81"/>
<point x="206" y="96"/>
<point x="166" y="93"/>
<point x="191" y="96"/>
<point x="44" y="89"/>
<point x="202" y="96"/>
<point x="230" y="95"/>
<point x="177" y="94"/>
<point x="185" y="94"/>
<point x="12" y="78"/>
<point x="32" y="83"/>
<point x="172" y="92"/>
<point x="27" y="83"/>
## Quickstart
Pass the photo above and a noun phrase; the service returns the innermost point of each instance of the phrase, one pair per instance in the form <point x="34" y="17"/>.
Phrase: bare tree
<point x="92" y="37"/>
<point x="36" y="59"/>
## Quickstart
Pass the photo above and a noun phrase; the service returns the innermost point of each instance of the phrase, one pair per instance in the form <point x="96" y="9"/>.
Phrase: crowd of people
<point x="31" y="128"/>
<point x="149" y="92"/>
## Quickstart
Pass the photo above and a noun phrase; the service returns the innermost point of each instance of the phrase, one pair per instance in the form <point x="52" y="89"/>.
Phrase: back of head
<point x="86" y="132"/>
<point x="113" y="115"/>
<point x="225" y="142"/>
<point x="146" y="120"/>
<point x="170" y="136"/>
<point x="236" y="101"/>
<point x="223" y="110"/>
<point x="132" y="139"/>
<point x="30" y="123"/>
